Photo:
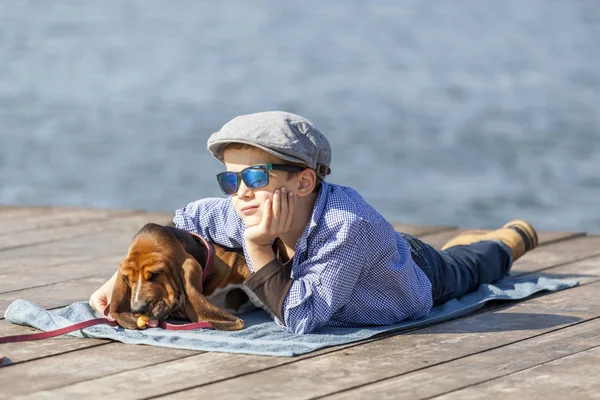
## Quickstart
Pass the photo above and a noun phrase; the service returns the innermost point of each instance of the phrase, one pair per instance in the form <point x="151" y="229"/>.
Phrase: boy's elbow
<point x="299" y="329"/>
<point x="303" y="318"/>
<point x="300" y="326"/>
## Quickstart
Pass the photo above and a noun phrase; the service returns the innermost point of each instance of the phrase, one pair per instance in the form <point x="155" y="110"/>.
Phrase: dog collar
<point x="209" y="257"/>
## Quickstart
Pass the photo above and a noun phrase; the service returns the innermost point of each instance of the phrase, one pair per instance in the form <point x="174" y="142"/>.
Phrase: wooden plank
<point x="41" y="209"/>
<point x="52" y="235"/>
<point x="7" y="208"/>
<point x="323" y="372"/>
<point x="83" y="364"/>
<point x="557" y="253"/>
<point x="20" y="215"/>
<point x="58" y="295"/>
<point x="7" y="328"/>
<point x="30" y="277"/>
<point x="67" y="260"/>
<point x="54" y="220"/>
<point x="421" y="230"/>
<point x="10" y="212"/>
<point x="548" y="237"/>
<point x="381" y="359"/>
<point x="100" y="252"/>
<point x="28" y="351"/>
<point x="481" y="367"/>
<point x="570" y="377"/>
<point x="80" y="249"/>
<point x="87" y="243"/>
<point x="156" y="380"/>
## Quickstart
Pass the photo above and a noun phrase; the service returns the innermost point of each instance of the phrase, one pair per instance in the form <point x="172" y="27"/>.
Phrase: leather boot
<point x="519" y="235"/>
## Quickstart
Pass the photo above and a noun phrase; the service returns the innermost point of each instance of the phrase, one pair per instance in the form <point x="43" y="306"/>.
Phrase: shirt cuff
<point x="271" y="285"/>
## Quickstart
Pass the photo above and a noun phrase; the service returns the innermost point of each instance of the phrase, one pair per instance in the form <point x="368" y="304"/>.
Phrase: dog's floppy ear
<point x="120" y="306"/>
<point x="197" y="307"/>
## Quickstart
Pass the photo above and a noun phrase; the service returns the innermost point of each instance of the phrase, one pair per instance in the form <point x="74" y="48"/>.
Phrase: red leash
<point x="98" y="321"/>
<point x="57" y="332"/>
<point x="111" y="322"/>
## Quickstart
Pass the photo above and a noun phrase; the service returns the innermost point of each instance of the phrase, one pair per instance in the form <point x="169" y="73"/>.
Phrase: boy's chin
<point x="251" y="220"/>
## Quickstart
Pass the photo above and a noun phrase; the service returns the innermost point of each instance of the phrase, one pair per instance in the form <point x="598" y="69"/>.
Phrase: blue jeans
<point x="460" y="269"/>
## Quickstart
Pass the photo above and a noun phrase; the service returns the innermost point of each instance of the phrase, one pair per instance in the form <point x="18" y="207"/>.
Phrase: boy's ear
<point x="307" y="179"/>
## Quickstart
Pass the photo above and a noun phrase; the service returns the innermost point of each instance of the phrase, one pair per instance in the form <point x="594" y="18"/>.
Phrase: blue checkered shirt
<point x="350" y="267"/>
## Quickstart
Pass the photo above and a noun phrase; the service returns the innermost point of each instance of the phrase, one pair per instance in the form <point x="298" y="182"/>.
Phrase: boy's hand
<point x="101" y="297"/>
<point x="277" y="219"/>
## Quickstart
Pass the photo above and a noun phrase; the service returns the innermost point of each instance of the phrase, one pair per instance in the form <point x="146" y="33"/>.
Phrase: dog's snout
<point x="139" y="307"/>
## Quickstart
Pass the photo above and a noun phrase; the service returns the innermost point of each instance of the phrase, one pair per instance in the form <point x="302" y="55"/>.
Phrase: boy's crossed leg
<point x="472" y="258"/>
<point x="519" y="235"/>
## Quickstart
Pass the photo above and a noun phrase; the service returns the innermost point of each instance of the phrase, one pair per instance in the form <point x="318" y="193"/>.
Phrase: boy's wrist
<point x="259" y="254"/>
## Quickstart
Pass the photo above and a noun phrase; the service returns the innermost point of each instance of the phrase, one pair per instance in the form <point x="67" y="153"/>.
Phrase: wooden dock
<point x="545" y="347"/>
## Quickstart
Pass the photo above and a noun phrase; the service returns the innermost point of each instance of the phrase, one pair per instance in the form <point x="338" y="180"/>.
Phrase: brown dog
<point x="161" y="277"/>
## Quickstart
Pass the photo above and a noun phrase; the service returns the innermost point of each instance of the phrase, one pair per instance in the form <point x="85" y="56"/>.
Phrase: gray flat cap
<point x="285" y="135"/>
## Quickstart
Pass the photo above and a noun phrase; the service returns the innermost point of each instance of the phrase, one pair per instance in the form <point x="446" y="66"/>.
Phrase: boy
<point x="320" y="255"/>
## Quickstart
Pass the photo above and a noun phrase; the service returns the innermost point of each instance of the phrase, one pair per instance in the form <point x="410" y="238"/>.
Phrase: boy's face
<point x="249" y="203"/>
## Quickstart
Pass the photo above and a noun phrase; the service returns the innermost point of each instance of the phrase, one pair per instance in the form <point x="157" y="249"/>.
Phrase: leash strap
<point x="56" y="332"/>
<point x="185" y="327"/>
<point x="98" y="321"/>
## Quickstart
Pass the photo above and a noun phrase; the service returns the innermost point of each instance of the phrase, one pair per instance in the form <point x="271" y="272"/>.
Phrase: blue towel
<point x="261" y="335"/>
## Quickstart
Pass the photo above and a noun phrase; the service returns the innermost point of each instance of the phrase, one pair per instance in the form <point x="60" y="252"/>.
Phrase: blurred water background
<point x="439" y="112"/>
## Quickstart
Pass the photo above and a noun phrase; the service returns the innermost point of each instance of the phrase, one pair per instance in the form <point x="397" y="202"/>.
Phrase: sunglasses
<point x="254" y="177"/>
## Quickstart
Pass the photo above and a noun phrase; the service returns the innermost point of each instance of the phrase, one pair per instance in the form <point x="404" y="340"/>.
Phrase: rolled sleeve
<point x="271" y="284"/>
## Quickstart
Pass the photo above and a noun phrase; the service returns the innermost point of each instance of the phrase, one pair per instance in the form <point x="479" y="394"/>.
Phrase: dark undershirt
<point x="272" y="282"/>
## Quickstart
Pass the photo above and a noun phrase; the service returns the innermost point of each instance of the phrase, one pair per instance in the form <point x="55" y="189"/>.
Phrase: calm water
<point x="463" y="112"/>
